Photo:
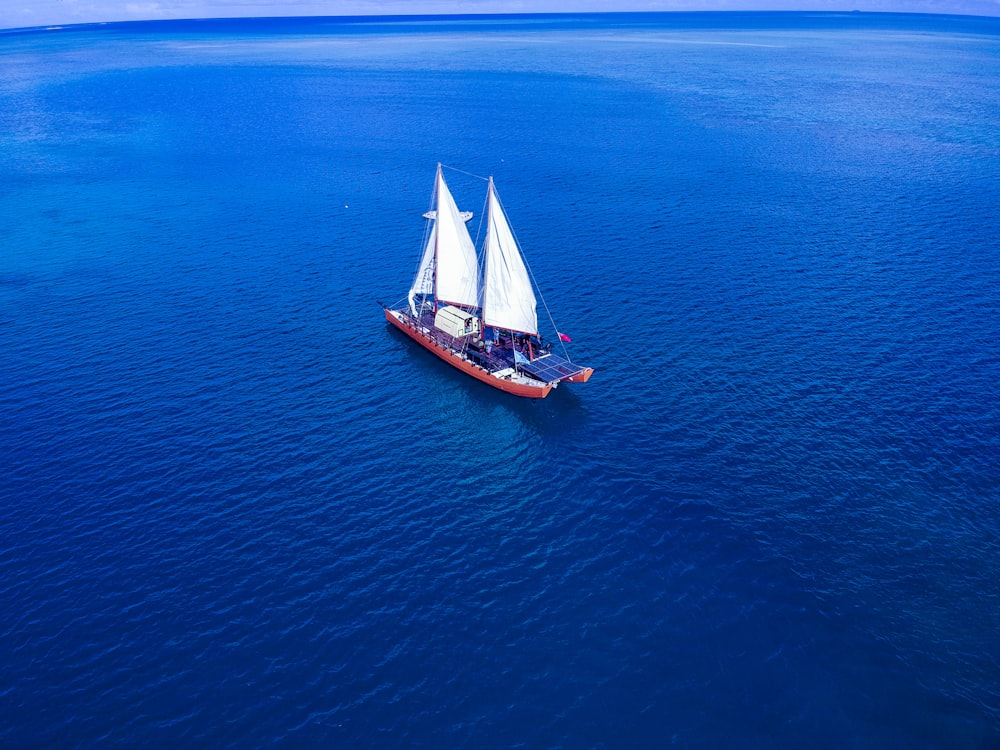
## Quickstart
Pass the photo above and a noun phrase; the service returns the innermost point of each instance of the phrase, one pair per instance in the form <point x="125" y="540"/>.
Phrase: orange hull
<point x="469" y="368"/>
<point x="580" y="377"/>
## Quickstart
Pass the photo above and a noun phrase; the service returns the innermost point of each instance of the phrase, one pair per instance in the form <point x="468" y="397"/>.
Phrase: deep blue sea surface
<point x="237" y="510"/>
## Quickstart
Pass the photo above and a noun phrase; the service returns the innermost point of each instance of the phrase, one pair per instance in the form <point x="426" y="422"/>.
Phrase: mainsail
<point x="508" y="300"/>
<point x="456" y="270"/>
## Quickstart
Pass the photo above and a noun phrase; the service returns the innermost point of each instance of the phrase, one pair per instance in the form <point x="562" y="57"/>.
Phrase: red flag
<point x="564" y="337"/>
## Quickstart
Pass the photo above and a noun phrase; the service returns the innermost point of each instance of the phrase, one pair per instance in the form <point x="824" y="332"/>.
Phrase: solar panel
<point x="551" y="367"/>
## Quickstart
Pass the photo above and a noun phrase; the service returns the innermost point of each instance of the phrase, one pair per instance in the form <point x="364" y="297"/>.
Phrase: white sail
<point x="456" y="268"/>
<point x="423" y="282"/>
<point x="508" y="300"/>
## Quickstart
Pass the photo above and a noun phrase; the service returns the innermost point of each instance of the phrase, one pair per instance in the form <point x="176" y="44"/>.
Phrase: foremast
<point x="449" y="268"/>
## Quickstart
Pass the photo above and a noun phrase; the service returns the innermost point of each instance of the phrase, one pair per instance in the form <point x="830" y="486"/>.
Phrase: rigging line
<point x="426" y="235"/>
<point x="468" y="174"/>
<point x="524" y="258"/>
<point x="479" y="233"/>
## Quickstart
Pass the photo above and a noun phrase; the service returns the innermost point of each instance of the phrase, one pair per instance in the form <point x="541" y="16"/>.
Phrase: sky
<point x="25" y="13"/>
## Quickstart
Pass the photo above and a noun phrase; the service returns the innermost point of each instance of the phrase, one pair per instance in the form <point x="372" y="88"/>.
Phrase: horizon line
<point x="383" y="17"/>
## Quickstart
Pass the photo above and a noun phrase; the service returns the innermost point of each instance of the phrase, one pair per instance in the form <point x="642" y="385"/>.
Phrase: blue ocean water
<point x="238" y="510"/>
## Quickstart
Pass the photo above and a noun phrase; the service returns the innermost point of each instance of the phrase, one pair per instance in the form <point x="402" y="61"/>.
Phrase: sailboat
<point x="481" y="318"/>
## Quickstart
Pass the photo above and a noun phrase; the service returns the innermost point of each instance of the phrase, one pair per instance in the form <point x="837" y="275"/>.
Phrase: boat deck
<point x="547" y="368"/>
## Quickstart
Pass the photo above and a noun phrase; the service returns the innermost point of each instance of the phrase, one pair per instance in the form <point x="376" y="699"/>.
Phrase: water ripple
<point x="237" y="506"/>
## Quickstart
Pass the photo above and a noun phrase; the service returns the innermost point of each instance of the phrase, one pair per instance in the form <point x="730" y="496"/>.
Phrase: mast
<point x="438" y="179"/>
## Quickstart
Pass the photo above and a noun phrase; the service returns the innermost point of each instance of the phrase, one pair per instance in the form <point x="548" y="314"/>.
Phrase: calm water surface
<point x="238" y="510"/>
